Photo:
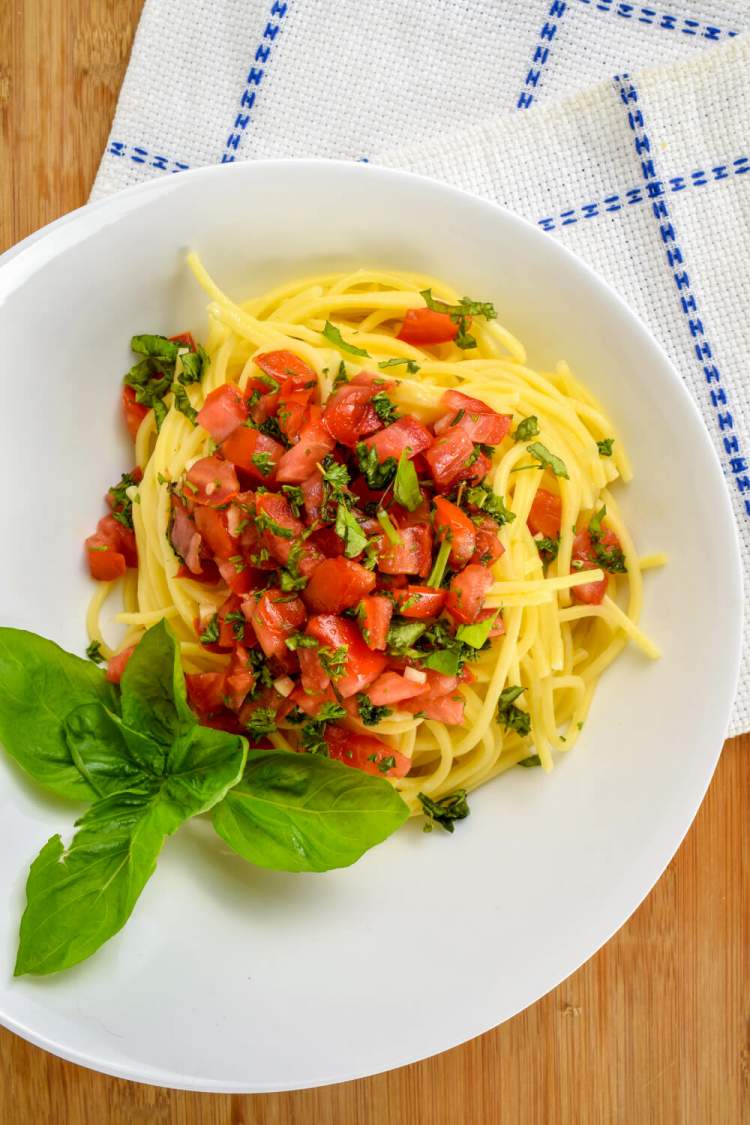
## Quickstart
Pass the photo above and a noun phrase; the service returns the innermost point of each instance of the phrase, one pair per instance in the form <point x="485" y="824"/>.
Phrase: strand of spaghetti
<point x="614" y="616"/>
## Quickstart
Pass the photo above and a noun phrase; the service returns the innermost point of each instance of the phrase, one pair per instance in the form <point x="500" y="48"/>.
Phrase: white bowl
<point x="232" y="978"/>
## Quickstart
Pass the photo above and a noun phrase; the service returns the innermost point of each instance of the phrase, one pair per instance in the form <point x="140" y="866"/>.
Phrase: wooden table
<point x="654" y="1029"/>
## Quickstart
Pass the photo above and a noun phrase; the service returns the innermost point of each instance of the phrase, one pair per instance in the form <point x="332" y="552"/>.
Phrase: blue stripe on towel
<point x="254" y="80"/>
<point x="542" y="51"/>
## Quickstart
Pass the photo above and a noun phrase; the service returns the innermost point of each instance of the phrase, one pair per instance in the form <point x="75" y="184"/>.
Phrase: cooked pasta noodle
<point x="554" y="646"/>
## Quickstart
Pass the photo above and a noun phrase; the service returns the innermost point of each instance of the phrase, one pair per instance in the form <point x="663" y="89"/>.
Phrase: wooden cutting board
<point x="654" y="1030"/>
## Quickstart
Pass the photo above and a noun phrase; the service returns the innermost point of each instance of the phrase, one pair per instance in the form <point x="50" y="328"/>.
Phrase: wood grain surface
<point x="654" y="1029"/>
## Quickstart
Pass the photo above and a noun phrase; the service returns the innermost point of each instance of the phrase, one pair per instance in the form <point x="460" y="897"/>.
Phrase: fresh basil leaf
<point x="39" y="685"/>
<point x="403" y="634"/>
<point x="531" y="761"/>
<point x="193" y="366"/>
<point x="160" y="347"/>
<point x="527" y="428"/>
<point x="447" y="661"/>
<point x="303" y="812"/>
<point x="78" y="897"/>
<point x="445" y="811"/>
<point x="348" y="529"/>
<point x="411" y="365"/>
<point x="101" y="752"/>
<point x="183" y="403"/>
<point x="476" y="635"/>
<point x="332" y="333"/>
<point x="546" y="459"/>
<point x="154" y="700"/>
<point x="406" y="488"/>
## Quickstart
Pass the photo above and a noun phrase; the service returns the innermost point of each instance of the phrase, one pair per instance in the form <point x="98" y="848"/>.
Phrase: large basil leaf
<point x="110" y="757"/>
<point x="79" y="897"/>
<point x="302" y="812"/>
<point x="40" y="684"/>
<point x="154" y="700"/>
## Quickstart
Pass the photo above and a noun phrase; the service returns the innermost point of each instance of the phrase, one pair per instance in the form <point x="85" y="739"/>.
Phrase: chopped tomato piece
<point x="337" y="584"/>
<point x="466" y="593"/>
<point x="185" y="538"/>
<point x="280" y="530"/>
<point x="419" y="601"/>
<point x="239" y="577"/>
<point x="374" y="615"/>
<point x="455" y="526"/>
<point x="274" y="617"/>
<point x="391" y="688"/>
<point x="342" y="641"/>
<point x="446" y="709"/>
<point x="315" y="678"/>
<point x="253" y="451"/>
<point x="406" y="434"/>
<point x="106" y="561"/>
<point x="312" y="495"/>
<point x="327" y="542"/>
<point x="133" y="412"/>
<point x="591" y="593"/>
<point x="119" y="537"/>
<point x="449" y="456"/>
<point x="239" y="679"/>
<point x="222" y="412"/>
<point x="349" y="414"/>
<point x="311" y="702"/>
<point x="117" y="664"/>
<point x="365" y="752"/>
<point x="299" y="462"/>
<point x="294" y="397"/>
<point x="412" y="556"/>
<point x="184" y="338"/>
<point x="488" y="548"/>
<point x="212" y="525"/>
<point x="282" y="364"/>
<point x="423" y="327"/>
<point x="481" y="422"/>
<point x="205" y="691"/>
<point x="545" y="514"/>
<point x="212" y="482"/>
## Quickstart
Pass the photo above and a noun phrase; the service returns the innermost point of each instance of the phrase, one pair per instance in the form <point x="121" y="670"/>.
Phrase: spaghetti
<point x="564" y="592"/>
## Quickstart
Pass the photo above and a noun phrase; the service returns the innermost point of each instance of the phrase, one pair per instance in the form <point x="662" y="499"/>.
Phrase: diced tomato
<point x="119" y="537"/>
<point x="222" y="412"/>
<point x="361" y="665"/>
<point x="276" y="508"/>
<point x="419" y="601"/>
<point x="208" y="575"/>
<point x="205" y="691"/>
<point x="448" y="457"/>
<point x="265" y="407"/>
<point x="212" y="525"/>
<point x="545" y="515"/>
<point x="488" y="548"/>
<point x="337" y="584"/>
<point x="299" y="462"/>
<point x="481" y="422"/>
<point x="365" y="752"/>
<point x="446" y="709"/>
<point x="312" y="496"/>
<point x="374" y="615"/>
<point x="294" y="397"/>
<point x="591" y="593"/>
<point x="413" y="556"/>
<point x="455" y="526"/>
<point x="311" y="702"/>
<point x="282" y="365"/>
<point x="314" y="677"/>
<point x="116" y="664"/>
<point x="184" y="338"/>
<point x="349" y="414"/>
<point x="133" y="412"/>
<point x="327" y="542"/>
<point x="365" y="495"/>
<point x="467" y="591"/>
<point x="105" y="563"/>
<point x="239" y="577"/>
<point x="212" y="482"/>
<point x="254" y="452"/>
<point x="423" y="327"/>
<point x="390" y="689"/>
<point x="406" y="434"/>
<point x="274" y="617"/>
<point x="232" y="626"/>
<point x="473" y="473"/>
<point x="239" y="678"/>
<point x="185" y="537"/>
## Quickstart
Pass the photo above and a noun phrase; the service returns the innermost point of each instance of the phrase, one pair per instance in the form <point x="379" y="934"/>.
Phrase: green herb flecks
<point x="511" y="716"/>
<point x="333" y="334"/>
<point x="445" y="811"/>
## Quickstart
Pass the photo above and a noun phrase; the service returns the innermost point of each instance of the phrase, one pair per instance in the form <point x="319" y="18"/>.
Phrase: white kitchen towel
<point x="644" y="177"/>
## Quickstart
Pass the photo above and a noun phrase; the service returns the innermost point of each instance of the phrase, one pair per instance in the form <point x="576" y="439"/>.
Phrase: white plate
<point x="231" y="978"/>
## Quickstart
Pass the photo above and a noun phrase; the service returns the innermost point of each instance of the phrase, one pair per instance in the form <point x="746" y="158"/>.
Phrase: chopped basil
<point x="94" y="652"/>
<point x="532" y="760"/>
<point x="547" y="460"/>
<point x="378" y="475"/>
<point x="183" y="403"/>
<point x="387" y="525"/>
<point x="120" y="502"/>
<point x="403" y="634"/>
<point x="447" y="661"/>
<point x="411" y="365"/>
<point x="460" y="314"/>
<point x="406" y="488"/>
<point x="487" y="501"/>
<point x="340" y="377"/>
<point x="527" y="428"/>
<point x="384" y="408"/>
<point x="295" y="497"/>
<point x="334" y="661"/>
<point x="210" y="634"/>
<point x="262" y="722"/>
<point x="348" y="529"/>
<point x="476" y="635"/>
<point x="332" y="333"/>
<point x="264" y="522"/>
<point x="605" y="446"/>
<point x="512" y="717"/>
<point x="548" y="547"/>
<point x="445" y="811"/>
<point x="439" y="566"/>
<point x="369" y="713"/>
<point x="263" y="463"/>
<point x="330" y="711"/>
<point x="300" y="640"/>
<point x="611" y="558"/>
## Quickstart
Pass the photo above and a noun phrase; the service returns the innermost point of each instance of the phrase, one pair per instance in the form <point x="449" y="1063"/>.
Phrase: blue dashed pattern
<point x="735" y="463"/>
<point x="541" y="54"/>
<point x="652" y="189"/>
<point x="254" y="81"/>
<point x="642" y="14"/>
<point x="139" y="155"/>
